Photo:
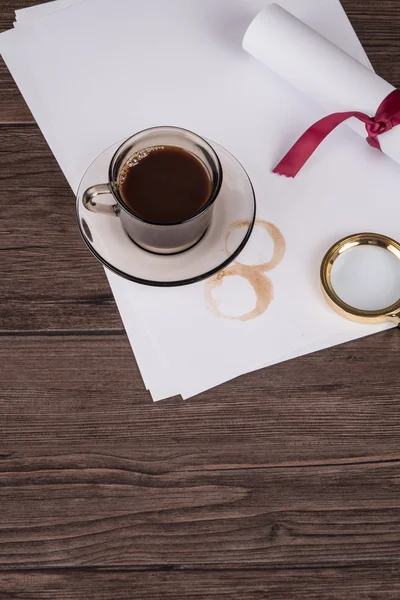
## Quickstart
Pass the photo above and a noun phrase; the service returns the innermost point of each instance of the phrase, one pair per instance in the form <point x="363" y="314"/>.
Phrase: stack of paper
<point x="96" y="71"/>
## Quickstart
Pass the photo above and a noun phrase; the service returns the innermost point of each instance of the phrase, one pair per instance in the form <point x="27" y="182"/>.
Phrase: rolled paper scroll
<point x="330" y="77"/>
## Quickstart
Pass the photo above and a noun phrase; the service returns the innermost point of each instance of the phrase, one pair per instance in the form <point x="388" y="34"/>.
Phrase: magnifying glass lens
<point x="367" y="277"/>
<point x="360" y="278"/>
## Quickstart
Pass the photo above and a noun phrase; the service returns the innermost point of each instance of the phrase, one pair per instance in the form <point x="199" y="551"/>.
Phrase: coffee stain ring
<point x="277" y="239"/>
<point x="253" y="274"/>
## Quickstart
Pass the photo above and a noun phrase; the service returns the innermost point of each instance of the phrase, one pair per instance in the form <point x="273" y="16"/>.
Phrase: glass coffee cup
<point x="169" y="236"/>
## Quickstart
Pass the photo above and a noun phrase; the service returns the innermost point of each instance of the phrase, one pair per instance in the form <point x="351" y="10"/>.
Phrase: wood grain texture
<point x="105" y="511"/>
<point x="12" y="106"/>
<point x="356" y="583"/>
<point x="282" y="484"/>
<point x="49" y="280"/>
<point x="277" y="468"/>
<point x="377" y="24"/>
<point x="8" y="8"/>
<point x="84" y="393"/>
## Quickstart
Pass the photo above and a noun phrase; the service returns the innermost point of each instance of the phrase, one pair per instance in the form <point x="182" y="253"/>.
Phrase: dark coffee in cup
<point x="165" y="184"/>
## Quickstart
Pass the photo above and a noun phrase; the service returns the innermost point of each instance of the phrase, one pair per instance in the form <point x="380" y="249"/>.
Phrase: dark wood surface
<point x="283" y="484"/>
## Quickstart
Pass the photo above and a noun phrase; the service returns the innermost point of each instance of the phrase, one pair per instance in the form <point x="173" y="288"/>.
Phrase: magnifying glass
<point x="360" y="277"/>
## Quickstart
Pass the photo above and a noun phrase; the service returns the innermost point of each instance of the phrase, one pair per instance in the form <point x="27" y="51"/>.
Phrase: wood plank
<point x="74" y="511"/>
<point x="376" y="27"/>
<point x="286" y="476"/>
<point x="357" y="583"/>
<point x="8" y="8"/>
<point x="50" y="281"/>
<point x="83" y="394"/>
<point x="12" y="106"/>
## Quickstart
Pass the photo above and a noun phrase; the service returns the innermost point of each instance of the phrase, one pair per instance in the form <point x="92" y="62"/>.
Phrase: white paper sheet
<point x="330" y="20"/>
<point x="319" y="69"/>
<point x="78" y="125"/>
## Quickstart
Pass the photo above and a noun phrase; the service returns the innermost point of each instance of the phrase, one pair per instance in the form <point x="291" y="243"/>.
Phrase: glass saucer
<point x="105" y="237"/>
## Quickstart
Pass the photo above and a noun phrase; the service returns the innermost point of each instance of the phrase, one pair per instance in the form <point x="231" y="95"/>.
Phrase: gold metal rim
<point x="390" y="313"/>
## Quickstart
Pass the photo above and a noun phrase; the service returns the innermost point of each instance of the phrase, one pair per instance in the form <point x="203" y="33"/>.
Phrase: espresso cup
<point x="161" y="238"/>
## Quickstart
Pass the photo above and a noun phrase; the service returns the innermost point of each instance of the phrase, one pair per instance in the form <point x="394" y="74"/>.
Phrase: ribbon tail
<point x="306" y="145"/>
<point x="389" y="109"/>
<point x="374" y="143"/>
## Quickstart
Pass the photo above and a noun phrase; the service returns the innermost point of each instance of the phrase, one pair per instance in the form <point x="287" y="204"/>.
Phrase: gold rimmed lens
<point x="360" y="278"/>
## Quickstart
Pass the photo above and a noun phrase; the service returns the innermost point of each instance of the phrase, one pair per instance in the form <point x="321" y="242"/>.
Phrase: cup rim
<point x="210" y="201"/>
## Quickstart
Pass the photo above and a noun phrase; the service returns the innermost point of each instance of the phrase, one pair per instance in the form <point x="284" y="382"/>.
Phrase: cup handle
<point x="103" y="209"/>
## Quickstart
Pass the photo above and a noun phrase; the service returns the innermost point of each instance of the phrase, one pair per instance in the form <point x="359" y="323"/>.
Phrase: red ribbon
<point x="387" y="117"/>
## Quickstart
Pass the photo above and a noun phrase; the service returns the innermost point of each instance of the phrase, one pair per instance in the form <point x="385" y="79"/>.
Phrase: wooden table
<point x="284" y="484"/>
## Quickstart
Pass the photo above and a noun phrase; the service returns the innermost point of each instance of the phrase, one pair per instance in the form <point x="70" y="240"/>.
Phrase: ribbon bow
<point x="387" y="116"/>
